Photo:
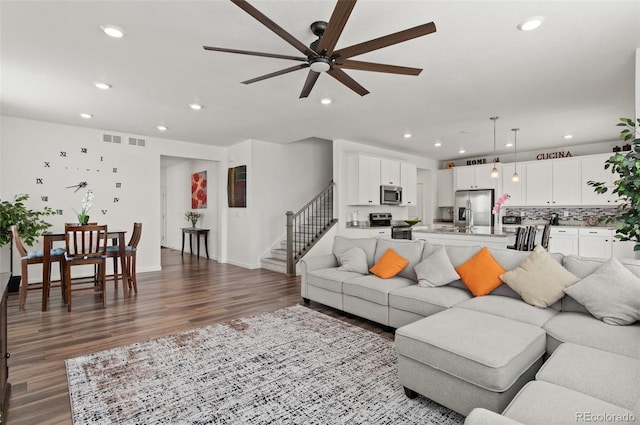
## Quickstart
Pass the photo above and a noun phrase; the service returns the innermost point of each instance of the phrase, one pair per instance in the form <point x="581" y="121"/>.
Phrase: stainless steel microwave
<point x="390" y="195"/>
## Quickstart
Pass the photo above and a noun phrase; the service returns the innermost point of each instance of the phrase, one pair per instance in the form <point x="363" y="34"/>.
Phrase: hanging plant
<point x="30" y="223"/>
<point x="627" y="167"/>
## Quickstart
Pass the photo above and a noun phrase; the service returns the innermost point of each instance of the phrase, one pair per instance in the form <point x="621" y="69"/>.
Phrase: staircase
<point x="304" y="230"/>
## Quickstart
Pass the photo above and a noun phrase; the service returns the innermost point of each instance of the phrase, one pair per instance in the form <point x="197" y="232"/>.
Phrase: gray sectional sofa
<point x="495" y="358"/>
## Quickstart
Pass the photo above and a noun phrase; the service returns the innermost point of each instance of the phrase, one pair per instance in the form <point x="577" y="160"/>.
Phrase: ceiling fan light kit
<point x="320" y="56"/>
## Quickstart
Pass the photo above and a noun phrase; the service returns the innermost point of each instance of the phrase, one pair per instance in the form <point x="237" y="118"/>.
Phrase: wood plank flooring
<point x="186" y="294"/>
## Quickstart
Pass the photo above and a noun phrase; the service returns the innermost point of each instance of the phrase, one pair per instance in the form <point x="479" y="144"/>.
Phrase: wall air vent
<point x="132" y="141"/>
<point x="142" y="142"/>
<point x="106" y="138"/>
<point x="117" y="139"/>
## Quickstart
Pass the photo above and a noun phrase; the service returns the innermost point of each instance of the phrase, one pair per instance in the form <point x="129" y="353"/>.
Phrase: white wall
<point x="177" y="183"/>
<point x="27" y="145"/>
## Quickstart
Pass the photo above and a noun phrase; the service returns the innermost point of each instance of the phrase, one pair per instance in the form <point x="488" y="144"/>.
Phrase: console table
<point x="198" y="232"/>
<point x="5" y="387"/>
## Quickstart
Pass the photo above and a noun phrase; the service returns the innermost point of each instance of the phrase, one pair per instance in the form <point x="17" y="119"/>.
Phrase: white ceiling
<point x="575" y="74"/>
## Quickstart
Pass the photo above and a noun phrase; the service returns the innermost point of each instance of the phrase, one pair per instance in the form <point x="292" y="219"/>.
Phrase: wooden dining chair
<point x="113" y="251"/>
<point x="531" y="238"/>
<point x="33" y="257"/>
<point x="85" y="245"/>
<point x="546" y="233"/>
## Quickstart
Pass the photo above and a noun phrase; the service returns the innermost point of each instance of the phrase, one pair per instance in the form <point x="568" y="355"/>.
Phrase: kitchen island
<point x="489" y="236"/>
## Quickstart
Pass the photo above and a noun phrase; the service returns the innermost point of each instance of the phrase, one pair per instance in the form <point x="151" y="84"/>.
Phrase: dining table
<point x="48" y="238"/>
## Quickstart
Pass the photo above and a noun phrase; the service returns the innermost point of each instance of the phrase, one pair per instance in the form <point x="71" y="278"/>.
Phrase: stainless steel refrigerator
<point x="474" y="208"/>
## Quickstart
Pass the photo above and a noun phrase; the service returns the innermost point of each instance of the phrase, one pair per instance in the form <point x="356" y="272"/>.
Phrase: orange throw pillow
<point x="481" y="273"/>
<point x="389" y="265"/>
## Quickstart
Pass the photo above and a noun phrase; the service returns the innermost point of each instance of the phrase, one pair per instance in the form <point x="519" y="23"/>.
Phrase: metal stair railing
<point x="306" y="227"/>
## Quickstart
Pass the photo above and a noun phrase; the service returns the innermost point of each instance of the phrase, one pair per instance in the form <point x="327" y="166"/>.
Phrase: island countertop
<point x="491" y="231"/>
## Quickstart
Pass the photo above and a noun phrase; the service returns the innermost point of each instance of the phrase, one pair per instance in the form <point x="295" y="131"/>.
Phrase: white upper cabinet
<point x="475" y="177"/>
<point x="390" y="172"/>
<point x="408" y="181"/>
<point x="553" y="182"/>
<point x="363" y="180"/>
<point x="593" y="170"/>
<point x="445" y="188"/>
<point x="515" y="189"/>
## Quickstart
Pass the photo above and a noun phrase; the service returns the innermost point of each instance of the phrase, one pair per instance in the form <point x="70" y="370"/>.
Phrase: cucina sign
<point x="553" y="155"/>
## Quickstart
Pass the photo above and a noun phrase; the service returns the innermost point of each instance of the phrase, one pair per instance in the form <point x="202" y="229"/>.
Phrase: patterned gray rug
<point x="291" y="366"/>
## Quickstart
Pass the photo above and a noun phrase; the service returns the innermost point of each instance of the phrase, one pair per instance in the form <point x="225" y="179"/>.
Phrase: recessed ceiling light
<point x="461" y="150"/>
<point x="407" y="135"/>
<point x="568" y="136"/>
<point x="325" y="101"/>
<point x="86" y="116"/>
<point x="102" y="86"/>
<point x="531" y="23"/>
<point x="112" y="31"/>
<point x="508" y="144"/>
<point x="437" y="144"/>
<point x="195" y="106"/>
<point x="163" y="128"/>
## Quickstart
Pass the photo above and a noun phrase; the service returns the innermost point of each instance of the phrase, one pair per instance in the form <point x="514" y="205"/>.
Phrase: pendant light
<point x="494" y="171"/>
<point x="515" y="178"/>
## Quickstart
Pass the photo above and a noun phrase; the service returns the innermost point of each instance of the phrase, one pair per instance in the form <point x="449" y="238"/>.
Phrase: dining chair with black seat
<point x="520" y="234"/>
<point x="113" y="251"/>
<point x="34" y="257"/>
<point x="546" y="233"/>
<point x="85" y="245"/>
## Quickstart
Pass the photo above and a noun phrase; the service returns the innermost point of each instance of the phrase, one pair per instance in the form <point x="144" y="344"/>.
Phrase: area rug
<point x="291" y="366"/>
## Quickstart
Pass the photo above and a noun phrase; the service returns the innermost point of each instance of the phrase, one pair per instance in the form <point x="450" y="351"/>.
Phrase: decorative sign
<point x="553" y="155"/>
<point x="482" y="161"/>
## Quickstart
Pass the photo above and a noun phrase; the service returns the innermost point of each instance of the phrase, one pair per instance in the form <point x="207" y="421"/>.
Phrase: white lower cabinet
<point x="623" y="249"/>
<point x="369" y="232"/>
<point x="595" y="243"/>
<point x="564" y="241"/>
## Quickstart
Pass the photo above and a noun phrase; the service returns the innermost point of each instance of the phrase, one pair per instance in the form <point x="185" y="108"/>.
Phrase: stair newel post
<point x="290" y="263"/>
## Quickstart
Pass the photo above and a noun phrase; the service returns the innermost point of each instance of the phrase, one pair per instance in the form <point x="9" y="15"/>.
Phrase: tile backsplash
<point x="573" y="214"/>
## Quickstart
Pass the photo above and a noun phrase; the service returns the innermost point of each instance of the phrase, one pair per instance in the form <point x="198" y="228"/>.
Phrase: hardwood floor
<point x="187" y="293"/>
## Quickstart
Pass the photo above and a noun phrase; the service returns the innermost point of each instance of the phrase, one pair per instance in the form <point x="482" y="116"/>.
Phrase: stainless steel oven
<point x="401" y="232"/>
<point x="390" y="195"/>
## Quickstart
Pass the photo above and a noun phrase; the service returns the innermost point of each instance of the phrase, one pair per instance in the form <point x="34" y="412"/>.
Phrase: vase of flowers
<point x="498" y="206"/>
<point x="87" y="202"/>
<point x="193" y="217"/>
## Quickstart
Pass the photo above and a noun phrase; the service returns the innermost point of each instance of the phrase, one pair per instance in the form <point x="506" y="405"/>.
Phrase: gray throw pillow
<point x="353" y="260"/>
<point x="436" y="270"/>
<point x="611" y="294"/>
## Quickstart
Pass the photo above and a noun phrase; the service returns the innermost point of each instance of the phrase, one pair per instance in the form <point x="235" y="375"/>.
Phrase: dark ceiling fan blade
<point x="274" y="27"/>
<point x="387" y="40"/>
<point x="341" y="76"/>
<point x="275" y="74"/>
<point x="309" y="83"/>
<point x="335" y="26"/>
<point x="377" y="67"/>
<point x="248" y="52"/>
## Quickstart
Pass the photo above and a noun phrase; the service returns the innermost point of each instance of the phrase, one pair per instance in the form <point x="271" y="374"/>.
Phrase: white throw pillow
<point x="540" y="279"/>
<point x="353" y="260"/>
<point x="611" y="294"/>
<point x="436" y="270"/>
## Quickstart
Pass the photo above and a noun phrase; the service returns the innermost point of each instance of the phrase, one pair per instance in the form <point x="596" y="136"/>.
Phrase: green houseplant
<point x="627" y="186"/>
<point x="30" y="224"/>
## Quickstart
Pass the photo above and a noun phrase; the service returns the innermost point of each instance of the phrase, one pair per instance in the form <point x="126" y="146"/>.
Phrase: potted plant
<point x="193" y="217"/>
<point x="627" y="185"/>
<point x="30" y="224"/>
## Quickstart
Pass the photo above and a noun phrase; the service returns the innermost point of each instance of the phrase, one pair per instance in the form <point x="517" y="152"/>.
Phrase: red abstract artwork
<point x="199" y="190"/>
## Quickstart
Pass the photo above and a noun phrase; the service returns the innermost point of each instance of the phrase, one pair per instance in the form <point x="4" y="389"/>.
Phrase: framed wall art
<point x="199" y="190"/>
<point x="237" y="187"/>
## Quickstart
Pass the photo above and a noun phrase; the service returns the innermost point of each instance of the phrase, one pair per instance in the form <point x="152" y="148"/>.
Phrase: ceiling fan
<point x="320" y="56"/>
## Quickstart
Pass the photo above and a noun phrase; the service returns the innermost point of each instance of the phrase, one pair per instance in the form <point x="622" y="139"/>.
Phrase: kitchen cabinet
<point x="514" y="189"/>
<point x="390" y="172"/>
<point x="445" y="188"/>
<point x="593" y="170"/>
<point x="475" y="177"/>
<point x="408" y="181"/>
<point x="553" y="183"/>
<point x="594" y="243"/>
<point x="564" y="241"/>
<point x="368" y="232"/>
<point x="623" y="249"/>
<point x="363" y="180"/>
